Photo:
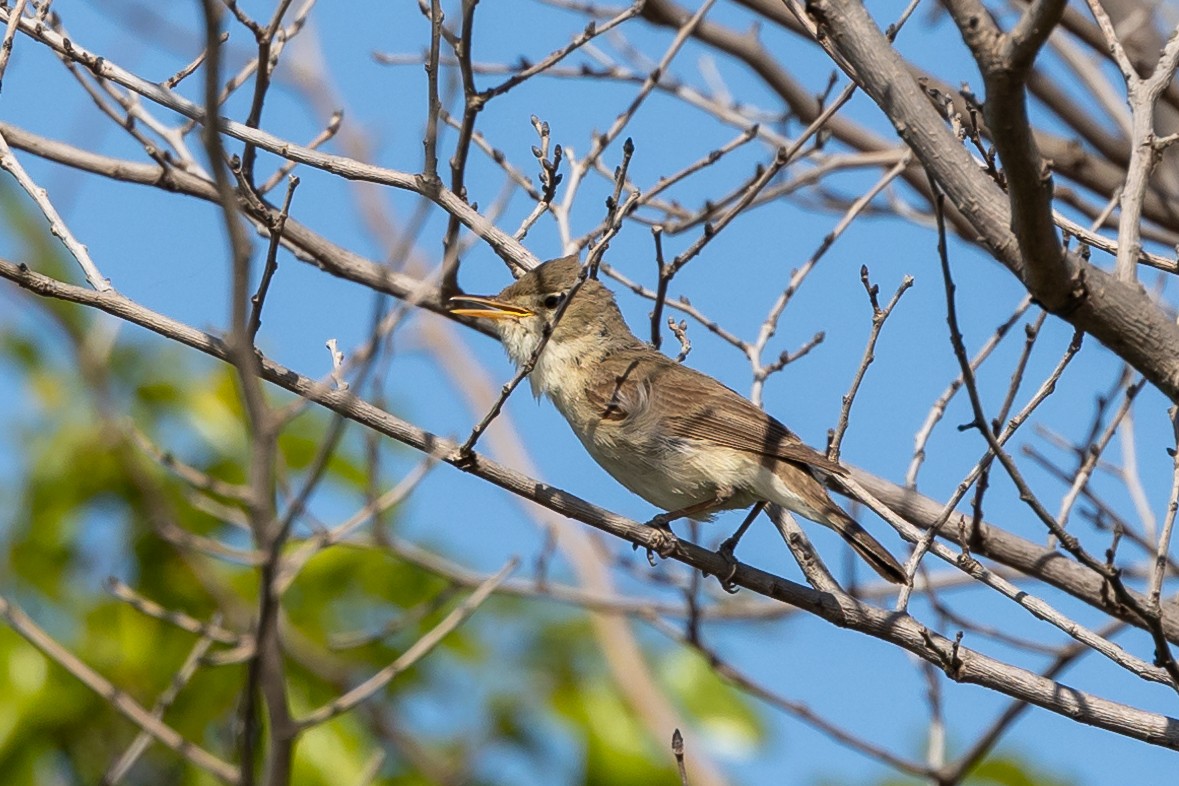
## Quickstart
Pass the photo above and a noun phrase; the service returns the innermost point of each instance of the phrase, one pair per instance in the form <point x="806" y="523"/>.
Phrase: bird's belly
<point x="768" y="485"/>
<point x="670" y="473"/>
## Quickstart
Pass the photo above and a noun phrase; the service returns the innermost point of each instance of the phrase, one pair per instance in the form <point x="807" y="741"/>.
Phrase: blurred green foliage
<point x="520" y="687"/>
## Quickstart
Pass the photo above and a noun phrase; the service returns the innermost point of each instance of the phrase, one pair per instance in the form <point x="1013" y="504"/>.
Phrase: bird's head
<point x="524" y="310"/>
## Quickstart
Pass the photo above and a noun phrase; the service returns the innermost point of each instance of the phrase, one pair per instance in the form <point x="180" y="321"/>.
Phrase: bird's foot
<point x="726" y="552"/>
<point x="728" y="549"/>
<point x="663" y="540"/>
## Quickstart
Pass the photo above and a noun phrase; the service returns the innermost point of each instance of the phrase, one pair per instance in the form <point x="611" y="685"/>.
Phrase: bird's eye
<point x="554" y="300"/>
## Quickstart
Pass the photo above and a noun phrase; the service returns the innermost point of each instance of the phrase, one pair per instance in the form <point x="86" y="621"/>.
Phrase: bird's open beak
<point x="487" y="307"/>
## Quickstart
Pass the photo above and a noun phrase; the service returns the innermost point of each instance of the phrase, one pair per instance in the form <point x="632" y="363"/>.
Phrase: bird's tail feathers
<point x="870" y="549"/>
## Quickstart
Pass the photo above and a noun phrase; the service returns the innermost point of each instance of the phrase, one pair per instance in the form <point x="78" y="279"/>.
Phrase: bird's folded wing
<point x="699" y="407"/>
<point x="618" y="392"/>
<point x="737" y="423"/>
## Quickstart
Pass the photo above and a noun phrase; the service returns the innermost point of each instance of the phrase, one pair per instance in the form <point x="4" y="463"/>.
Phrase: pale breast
<point x="559" y="370"/>
<point x="622" y="426"/>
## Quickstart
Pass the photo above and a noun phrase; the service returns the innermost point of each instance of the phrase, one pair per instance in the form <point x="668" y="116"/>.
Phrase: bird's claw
<point x="728" y="550"/>
<point x="663" y="540"/>
<point x="726" y="553"/>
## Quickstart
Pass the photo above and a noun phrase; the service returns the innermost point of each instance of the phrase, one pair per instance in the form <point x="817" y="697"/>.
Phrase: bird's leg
<point x="665" y="539"/>
<point x="729" y="547"/>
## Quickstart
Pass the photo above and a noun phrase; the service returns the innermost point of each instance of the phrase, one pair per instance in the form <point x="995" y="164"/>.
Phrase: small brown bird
<point x="678" y="438"/>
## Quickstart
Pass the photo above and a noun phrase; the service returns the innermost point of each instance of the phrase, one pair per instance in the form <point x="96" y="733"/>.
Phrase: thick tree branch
<point x="1120" y="315"/>
<point x="1005" y="62"/>
<point x="991" y="541"/>
<point x="958" y="662"/>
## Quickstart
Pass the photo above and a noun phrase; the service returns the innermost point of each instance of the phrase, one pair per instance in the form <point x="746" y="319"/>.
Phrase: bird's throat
<point x="559" y="372"/>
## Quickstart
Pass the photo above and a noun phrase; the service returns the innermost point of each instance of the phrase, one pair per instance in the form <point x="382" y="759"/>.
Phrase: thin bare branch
<point x="118" y="699"/>
<point x="412" y="655"/>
